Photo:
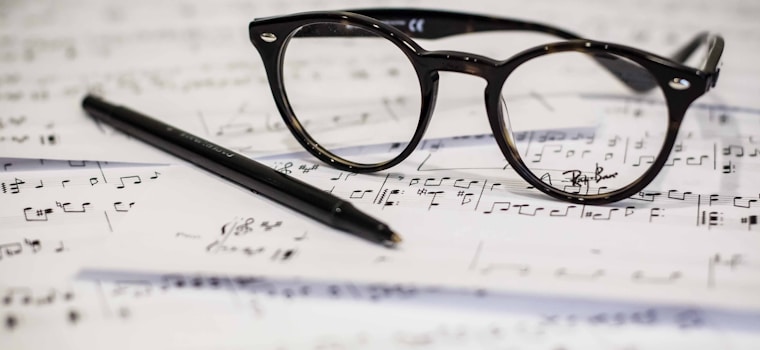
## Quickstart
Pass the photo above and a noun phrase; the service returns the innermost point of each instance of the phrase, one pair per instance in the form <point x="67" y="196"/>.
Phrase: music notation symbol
<point x="67" y="209"/>
<point x="719" y="262"/>
<point x="749" y="221"/>
<point x="37" y="214"/>
<point x="444" y="190"/>
<point x="26" y="246"/>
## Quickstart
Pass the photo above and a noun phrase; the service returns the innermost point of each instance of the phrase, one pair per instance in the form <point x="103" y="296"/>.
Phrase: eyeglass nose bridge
<point x="459" y="62"/>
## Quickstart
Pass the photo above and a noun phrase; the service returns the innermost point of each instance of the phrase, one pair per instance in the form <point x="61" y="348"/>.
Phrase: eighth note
<point x="135" y="178"/>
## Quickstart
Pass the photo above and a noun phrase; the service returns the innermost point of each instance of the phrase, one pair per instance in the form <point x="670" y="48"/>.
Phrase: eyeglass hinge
<point x="712" y="79"/>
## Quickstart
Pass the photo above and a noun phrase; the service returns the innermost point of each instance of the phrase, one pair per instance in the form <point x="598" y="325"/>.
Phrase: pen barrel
<point x="349" y="218"/>
<point x="239" y="169"/>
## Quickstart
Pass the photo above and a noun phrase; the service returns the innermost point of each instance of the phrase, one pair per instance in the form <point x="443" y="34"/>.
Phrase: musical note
<point x="10" y="249"/>
<point x="135" y="180"/>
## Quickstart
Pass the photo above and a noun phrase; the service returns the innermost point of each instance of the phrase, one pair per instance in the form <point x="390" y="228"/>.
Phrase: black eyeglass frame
<point x="680" y="84"/>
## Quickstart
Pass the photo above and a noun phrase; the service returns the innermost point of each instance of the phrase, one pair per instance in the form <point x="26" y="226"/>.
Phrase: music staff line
<point x="30" y="246"/>
<point x="17" y="185"/>
<point x="717" y="267"/>
<point x="482" y="195"/>
<point x="129" y="300"/>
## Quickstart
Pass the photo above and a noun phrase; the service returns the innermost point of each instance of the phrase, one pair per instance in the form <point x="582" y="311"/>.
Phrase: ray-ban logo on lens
<point x="577" y="178"/>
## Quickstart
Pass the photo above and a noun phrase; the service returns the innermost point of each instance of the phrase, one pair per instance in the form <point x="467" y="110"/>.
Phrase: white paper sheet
<point x="177" y="312"/>
<point x="680" y="242"/>
<point x="37" y="294"/>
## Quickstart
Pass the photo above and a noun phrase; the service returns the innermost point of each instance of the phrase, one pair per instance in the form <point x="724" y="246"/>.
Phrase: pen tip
<point x="392" y="241"/>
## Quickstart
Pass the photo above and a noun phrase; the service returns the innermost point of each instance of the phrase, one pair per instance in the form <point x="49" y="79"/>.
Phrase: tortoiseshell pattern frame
<point x="680" y="84"/>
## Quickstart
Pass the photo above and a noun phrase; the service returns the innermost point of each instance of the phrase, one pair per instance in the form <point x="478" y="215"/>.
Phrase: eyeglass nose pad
<point x="502" y="110"/>
<point x="503" y="113"/>
<point x="433" y="90"/>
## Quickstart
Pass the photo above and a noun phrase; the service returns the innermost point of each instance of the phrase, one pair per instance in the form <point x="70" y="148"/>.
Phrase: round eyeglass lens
<point x="354" y="92"/>
<point x="584" y="124"/>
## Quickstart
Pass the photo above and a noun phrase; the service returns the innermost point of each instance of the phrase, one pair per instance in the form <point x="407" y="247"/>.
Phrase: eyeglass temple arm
<point x="434" y="24"/>
<point x="710" y="64"/>
<point x="714" y="51"/>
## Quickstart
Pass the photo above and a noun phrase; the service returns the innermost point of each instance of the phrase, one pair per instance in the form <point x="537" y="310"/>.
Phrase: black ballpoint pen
<point x="281" y="188"/>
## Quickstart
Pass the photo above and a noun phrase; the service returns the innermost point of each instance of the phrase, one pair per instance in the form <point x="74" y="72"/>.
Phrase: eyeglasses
<point x="546" y="105"/>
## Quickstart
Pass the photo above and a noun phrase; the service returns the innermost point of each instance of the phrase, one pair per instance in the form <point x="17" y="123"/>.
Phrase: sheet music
<point x="486" y="230"/>
<point x="244" y="311"/>
<point x="95" y="310"/>
<point x="54" y="213"/>
<point x="37" y="295"/>
<point x="191" y="64"/>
